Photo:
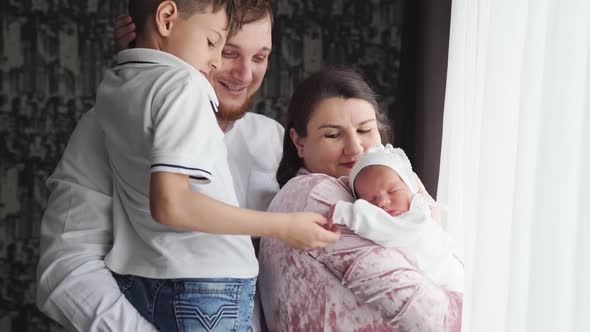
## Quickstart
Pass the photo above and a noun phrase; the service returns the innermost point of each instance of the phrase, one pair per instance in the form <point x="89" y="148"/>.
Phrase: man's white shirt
<point x="255" y="145"/>
<point x="74" y="286"/>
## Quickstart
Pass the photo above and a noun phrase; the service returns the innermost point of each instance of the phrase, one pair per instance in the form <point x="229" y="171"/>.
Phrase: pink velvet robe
<point x="353" y="285"/>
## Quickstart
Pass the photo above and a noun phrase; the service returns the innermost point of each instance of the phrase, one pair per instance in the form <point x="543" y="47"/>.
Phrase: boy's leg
<point x="153" y="299"/>
<point x="214" y="304"/>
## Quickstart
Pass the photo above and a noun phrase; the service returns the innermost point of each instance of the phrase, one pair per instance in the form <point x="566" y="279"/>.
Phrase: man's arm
<point x="73" y="285"/>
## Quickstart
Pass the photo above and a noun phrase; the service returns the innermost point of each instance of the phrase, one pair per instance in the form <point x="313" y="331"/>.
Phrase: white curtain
<point x="515" y="164"/>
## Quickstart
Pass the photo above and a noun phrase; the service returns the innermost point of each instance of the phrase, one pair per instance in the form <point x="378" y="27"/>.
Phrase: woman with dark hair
<point x="353" y="284"/>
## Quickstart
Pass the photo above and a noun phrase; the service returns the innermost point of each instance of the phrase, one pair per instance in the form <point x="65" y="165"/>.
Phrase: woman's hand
<point x="434" y="210"/>
<point x="305" y="230"/>
<point x="124" y="32"/>
<point x="330" y="222"/>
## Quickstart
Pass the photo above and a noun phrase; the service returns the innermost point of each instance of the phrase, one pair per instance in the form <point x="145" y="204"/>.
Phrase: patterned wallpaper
<point x="52" y="55"/>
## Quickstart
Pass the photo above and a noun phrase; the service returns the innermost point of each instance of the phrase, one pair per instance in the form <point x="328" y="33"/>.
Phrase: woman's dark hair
<point x="339" y="82"/>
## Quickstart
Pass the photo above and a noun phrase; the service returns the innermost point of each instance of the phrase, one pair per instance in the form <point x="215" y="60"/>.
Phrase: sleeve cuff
<point x="197" y="175"/>
<point x="343" y="213"/>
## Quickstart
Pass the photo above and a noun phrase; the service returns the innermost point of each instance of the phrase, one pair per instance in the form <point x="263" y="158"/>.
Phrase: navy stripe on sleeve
<point x="182" y="167"/>
<point x="136" y="62"/>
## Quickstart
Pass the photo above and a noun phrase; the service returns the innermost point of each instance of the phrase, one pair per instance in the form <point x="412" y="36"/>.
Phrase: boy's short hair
<point x="141" y="10"/>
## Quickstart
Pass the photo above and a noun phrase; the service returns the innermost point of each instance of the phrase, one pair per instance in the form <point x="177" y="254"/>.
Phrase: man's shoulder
<point x="259" y="131"/>
<point x="257" y="121"/>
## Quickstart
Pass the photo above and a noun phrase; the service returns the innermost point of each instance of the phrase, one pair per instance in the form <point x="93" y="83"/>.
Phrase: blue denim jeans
<point x="184" y="305"/>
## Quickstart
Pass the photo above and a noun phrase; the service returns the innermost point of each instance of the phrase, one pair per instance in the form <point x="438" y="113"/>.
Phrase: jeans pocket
<point x="207" y="305"/>
<point x="124" y="281"/>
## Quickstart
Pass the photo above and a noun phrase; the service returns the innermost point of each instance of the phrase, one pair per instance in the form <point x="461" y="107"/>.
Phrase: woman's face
<point x="337" y="132"/>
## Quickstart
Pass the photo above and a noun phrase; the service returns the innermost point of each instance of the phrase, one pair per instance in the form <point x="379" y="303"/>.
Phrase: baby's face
<point x="383" y="187"/>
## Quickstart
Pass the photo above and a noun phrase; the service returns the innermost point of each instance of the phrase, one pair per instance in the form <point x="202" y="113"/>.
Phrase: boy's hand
<point x="304" y="230"/>
<point x="124" y="32"/>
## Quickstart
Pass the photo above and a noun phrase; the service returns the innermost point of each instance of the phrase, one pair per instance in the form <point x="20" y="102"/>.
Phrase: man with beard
<point x="74" y="286"/>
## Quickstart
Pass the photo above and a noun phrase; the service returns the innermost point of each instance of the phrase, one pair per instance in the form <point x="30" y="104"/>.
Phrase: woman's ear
<point x="297" y="140"/>
<point x="166" y="15"/>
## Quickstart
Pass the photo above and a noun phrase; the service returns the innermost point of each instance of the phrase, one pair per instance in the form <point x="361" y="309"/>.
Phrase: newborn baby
<point x="391" y="212"/>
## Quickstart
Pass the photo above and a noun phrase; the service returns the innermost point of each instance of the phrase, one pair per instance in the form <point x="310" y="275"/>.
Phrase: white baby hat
<point x="394" y="158"/>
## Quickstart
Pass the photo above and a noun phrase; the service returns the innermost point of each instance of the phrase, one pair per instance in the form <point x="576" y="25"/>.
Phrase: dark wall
<point x="53" y="53"/>
<point x="309" y="34"/>
<point x="419" y="114"/>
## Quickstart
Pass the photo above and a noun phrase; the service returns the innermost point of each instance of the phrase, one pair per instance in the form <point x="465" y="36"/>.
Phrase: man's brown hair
<point x="254" y="10"/>
<point x="141" y="10"/>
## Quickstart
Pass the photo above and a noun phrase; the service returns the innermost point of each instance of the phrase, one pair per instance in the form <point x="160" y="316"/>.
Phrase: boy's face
<point x="199" y="39"/>
<point x="383" y="187"/>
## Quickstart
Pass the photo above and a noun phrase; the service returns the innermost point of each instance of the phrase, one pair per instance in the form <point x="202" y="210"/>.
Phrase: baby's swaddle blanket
<point x="413" y="232"/>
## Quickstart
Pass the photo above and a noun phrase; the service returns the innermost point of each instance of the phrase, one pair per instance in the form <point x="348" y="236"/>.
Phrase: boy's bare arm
<point x="172" y="203"/>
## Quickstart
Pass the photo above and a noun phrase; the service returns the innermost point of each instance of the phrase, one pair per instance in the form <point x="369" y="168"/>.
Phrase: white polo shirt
<point x="157" y="114"/>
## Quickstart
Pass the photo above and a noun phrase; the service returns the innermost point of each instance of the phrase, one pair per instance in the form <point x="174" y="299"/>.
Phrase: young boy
<point x="391" y="212"/>
<point x="173" y="193"/>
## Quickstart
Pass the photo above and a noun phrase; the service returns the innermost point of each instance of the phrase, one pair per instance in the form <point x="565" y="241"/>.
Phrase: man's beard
<point x="228" y="114"/>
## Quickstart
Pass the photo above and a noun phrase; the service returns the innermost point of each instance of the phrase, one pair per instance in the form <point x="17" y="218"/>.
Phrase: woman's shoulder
<point x="317" y="183"/>
<point x="307" y="187"/>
